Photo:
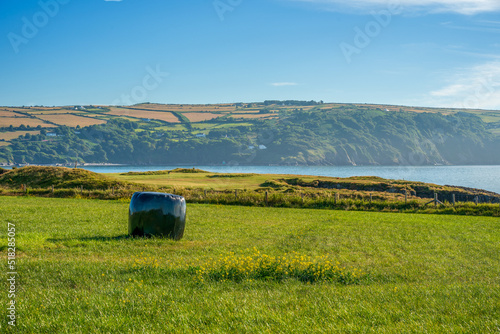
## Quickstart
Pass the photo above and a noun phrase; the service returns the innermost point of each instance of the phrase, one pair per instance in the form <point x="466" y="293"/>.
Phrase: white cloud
<point x="476" y="87"/>
<point x="281" y="84"/>
<point x="466" y="7"/>
<point x="451" y="90"/>
<point x="481" y="26"/>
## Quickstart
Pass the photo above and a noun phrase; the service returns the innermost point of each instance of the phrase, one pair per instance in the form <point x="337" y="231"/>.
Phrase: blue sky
<point x="422" y="53"/>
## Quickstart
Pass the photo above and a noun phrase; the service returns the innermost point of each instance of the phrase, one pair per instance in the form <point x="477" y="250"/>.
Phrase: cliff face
<point x="388" y="139"/>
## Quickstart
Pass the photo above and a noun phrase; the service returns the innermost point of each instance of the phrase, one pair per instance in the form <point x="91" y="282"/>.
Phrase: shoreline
<point x="105" y="164"/>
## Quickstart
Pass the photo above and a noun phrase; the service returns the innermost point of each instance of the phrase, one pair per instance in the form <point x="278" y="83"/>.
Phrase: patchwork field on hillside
<point x="305" y="132"/>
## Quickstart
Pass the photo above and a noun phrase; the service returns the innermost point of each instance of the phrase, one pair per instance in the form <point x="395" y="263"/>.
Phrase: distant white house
<point x="51" y="134"/>
<point x="251" y="147"/>
<point x="262" y="147"/>
<point x="146" y="120"/>
<point x="201" y="135"/>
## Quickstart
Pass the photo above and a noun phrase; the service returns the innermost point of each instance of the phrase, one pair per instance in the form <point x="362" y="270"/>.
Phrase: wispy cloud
<point x="281" y="84"/>
<point x="480" y="26"/>
<point x="476" y="87"/>
<point x="462" y="49"/>
<point x="466" y="7"/>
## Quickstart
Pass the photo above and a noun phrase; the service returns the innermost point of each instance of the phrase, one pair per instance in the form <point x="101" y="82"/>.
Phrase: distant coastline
<point x="476" y="177"/>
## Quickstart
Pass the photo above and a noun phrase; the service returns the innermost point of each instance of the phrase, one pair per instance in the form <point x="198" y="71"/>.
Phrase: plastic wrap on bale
<point x="157" y="214"/>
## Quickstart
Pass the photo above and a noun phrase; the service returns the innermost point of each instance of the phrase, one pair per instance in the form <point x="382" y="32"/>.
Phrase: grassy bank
<point x="285" y="191"/>
<point x="80" y="272"/>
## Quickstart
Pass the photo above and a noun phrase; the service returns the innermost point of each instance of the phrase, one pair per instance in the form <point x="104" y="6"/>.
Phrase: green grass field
<point x="80" y="273"/>
<point x="200" y="180"/>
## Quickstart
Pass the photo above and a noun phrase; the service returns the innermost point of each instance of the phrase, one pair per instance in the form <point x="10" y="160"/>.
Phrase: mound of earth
<point x="59" y="177"/>
<point x="372" y="184"/>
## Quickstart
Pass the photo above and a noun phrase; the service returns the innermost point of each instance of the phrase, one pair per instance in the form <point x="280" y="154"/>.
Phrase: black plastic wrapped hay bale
<point x="157" y="214"/>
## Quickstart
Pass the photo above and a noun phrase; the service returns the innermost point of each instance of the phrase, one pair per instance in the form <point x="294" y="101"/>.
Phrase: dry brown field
<point x="159" y="115"/>
<point x="246" y="111"/>
<point x="13" y="135"/>
<point x="18" y="121"/>
<point x="188" y="108"/>
<point x="54" y="111"/>
<point x="44" y="108"/>
<point x="93" y="115"/>
<point x="5" y="113"/>
<point x="71" y="120"/>
<point x="295" y="107"/>
<point x="30" y="109"/>
<point x="16" y="109"/>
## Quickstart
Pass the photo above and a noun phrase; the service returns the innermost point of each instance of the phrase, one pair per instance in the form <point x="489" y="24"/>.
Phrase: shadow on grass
<point x="96" y="238"/>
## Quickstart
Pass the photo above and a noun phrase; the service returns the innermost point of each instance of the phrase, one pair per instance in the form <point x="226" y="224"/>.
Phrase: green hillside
<point x="272" y="132"/>
<point x="367" y="193"/>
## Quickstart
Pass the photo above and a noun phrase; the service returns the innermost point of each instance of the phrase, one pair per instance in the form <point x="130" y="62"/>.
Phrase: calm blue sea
<point x="482" y="177"/>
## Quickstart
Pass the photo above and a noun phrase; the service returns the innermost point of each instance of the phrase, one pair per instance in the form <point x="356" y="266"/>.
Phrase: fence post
<point x="371" y="198"/>
<point x="406" y="197"/>
<point x="435" y="199"/>
<point x="236" y="194"/>
<point x="336" y="197"/>
<point x="205" y="192"/>
<point x="476" y="199"/>
<point x="302" y="195"/>
<point x="453" y="199"/>
<point x="52" y="188"/>
<point x="267" y="202"/>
